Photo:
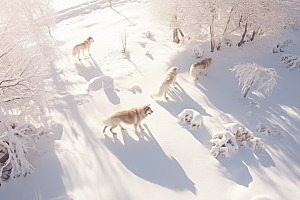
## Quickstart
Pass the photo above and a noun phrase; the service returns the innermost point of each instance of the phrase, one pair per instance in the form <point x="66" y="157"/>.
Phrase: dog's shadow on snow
<point x="180" y="101"/>
<point x="96" y="80"/>
<point x="147" y="160"/>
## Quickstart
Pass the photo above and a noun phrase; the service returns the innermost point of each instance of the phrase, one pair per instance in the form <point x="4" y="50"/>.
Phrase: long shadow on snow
<point x="181" y="99"/>
<point x="87" y="8"/>
<point x="97" y="80"/>
<point x="146" y="159"/>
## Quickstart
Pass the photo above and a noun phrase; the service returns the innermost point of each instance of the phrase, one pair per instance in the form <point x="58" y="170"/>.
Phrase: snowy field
<point x="166" y="160"/>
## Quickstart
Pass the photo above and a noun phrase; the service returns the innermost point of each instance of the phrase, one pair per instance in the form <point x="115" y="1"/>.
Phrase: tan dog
<point x="134" y="117"/>
<point x="169" y="78"/>
<point x="85" y="45"/>
<point x="197" y="67"/>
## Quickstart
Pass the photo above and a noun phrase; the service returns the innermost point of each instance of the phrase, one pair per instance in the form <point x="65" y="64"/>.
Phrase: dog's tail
<point x="105" y="121"/>
<point x="193" y="72"/>
<point x="161" y="91"/>
<point x="74" y="51"/>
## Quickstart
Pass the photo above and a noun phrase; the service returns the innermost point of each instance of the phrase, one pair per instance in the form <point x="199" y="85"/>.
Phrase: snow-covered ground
<point x="167" y="160"/>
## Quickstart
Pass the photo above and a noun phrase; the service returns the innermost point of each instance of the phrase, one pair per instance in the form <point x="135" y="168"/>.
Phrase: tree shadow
<point x="147" y="160"/>
<point x="150" y="56"/>
<point x="237" y="164"/>
<point x="202" y="135"/>
<point x="47" y="170"/>
<point x="96" y="80"/>
<point x="132" y="24"/>
<point x="107" y="83"/>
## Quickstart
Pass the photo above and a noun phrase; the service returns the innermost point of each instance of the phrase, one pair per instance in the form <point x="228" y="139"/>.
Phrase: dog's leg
<point x="206" y="72"/>
<point x="89" y="51"/>
<point x="112" y="127"/>
<point x="174" y="81"/>
<point x="135" y="127"/>
<point x="141" y="128"/>
<point x="166" y="96"/>
<point x="104" y="129"/>
<point x="122" y="127"/>
<point x="78" y="55"/>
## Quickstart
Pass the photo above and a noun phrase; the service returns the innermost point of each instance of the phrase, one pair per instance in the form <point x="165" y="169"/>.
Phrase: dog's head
<point x="174" y="69"/>
<point x="209" y="59"/>
<point x="147" y="109"/>
<point x="90" y="39"/>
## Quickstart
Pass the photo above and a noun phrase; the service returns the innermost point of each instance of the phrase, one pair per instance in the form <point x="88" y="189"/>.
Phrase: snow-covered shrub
<point x="290" y="61"/>
<point x="280" y="46"/>
<point x="262" y="129"/>
<point x="251" y="74"/>
<point x="190" y="119"/>
<point x="244" y="136"/>
<point x="15" y="145"/>
<point x="269" y="131"/>
<point x="222" y="143"/>
<point x="197" y="51"/>
<point x="149" y="34"/>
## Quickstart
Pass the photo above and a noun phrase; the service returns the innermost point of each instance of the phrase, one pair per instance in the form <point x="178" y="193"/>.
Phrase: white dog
<point x="85" y="45"/>
<point x="169" y="78"/>
<point x="132" y="116"/>
<point x="197" y="67"/>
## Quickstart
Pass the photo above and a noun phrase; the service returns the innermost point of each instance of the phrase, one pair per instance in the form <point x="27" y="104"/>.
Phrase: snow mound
<point x="197" y="51"/>
<point x="244" y="136"/>
<point x="149" y="34"/>
<point x="290" y="61"/>
<point x="190" y="119"/>
<point x="222" y="143"/>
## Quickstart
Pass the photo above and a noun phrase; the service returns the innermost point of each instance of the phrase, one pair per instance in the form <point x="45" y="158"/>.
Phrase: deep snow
<point x="166" y="161"/>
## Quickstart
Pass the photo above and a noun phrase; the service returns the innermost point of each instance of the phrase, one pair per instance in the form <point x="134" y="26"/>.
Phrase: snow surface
<point x="165" y="161"/>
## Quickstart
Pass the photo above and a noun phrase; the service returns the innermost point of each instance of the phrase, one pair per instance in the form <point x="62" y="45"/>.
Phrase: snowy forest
<point x="237" y="125"/>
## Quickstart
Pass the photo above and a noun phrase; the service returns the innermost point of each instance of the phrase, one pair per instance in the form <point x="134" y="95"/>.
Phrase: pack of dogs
<point x="136" y="115"/>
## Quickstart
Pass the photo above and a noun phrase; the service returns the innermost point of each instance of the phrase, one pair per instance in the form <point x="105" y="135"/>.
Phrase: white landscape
<point x="258" y="136"/>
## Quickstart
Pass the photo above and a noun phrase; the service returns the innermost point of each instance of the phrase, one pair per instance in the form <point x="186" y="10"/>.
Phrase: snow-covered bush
<point x="254" y="75"/>
<point x="190" y="119"/>
<point x="222" y="143"/>
<point x="262" y="129"/>
<point x="290" y="61"/>
<point x="269" y="131"/>
<point x="26" y="49"/>
<point x="244" y="136"/>
<point x="197" y="51"/>
<point x="280" y="46"/>
<point x="15" y="145"/>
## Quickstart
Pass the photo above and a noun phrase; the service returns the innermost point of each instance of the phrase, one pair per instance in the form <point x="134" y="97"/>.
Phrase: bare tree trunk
<point x="4" y="159"/>
<point x="253" y="35"/>
<point x="212" y="41"/>
<point x="248" y="89"/>
<point x="243" y="36"/>
<point x="180" y="32"/>
<point x="175" y="36"/>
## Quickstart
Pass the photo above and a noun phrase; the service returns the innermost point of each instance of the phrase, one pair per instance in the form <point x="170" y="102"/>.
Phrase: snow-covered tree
<point x="253" y="75"/>
<point x="290" y="61"/>
<point x="223" y="19"/>
<point x="25" y="51"/>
